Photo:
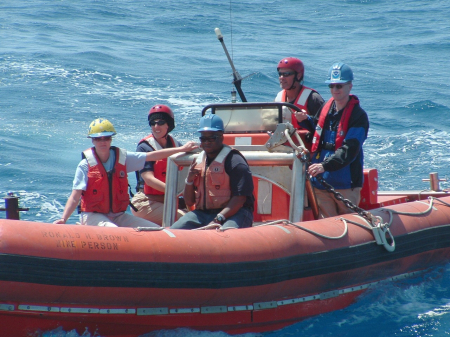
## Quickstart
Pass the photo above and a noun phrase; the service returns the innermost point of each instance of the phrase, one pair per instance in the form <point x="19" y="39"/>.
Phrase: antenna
<point x="236" y="76"/>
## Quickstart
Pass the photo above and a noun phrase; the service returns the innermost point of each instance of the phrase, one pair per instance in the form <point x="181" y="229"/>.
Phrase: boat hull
<point x="124" y="282"/>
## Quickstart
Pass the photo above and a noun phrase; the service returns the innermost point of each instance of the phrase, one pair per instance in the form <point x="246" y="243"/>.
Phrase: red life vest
<point x="301" y="101"/>
<point x="343" y="123"/>
<point x="160" y="166"/>
<point x="99" y="197"/>
<point x="213" y="185"/>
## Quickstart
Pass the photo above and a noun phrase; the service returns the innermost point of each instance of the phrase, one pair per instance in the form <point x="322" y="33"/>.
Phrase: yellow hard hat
<point x="101" y="128"/>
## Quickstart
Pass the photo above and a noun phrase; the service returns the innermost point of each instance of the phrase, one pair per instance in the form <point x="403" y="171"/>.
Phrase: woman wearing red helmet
<point x="149" y="201"/>
<point x="290" y="74"/>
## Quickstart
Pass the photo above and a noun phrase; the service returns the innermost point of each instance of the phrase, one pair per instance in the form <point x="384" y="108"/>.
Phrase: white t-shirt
<point x="134" y="162"/>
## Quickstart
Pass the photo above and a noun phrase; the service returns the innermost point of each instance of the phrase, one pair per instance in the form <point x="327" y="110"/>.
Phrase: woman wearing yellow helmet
<point x="101" y="182"/>
<point x="101" y="127"/>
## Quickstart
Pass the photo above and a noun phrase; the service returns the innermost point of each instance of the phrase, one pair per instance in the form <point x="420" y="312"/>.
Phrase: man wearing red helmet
<point x="290" y="74"/>
<point x="151" y="180"/>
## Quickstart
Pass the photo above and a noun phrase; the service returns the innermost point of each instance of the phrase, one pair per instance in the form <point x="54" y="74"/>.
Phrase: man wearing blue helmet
<point x="340" y="130"/>
<point x="219" y="183"/>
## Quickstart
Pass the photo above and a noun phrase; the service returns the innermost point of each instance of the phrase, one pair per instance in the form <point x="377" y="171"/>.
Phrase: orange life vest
<point x="301" y="101"/>
<point x="104" y="194"/>
<point x="213" y="185"/>
<point x="343" y="123"/>
<point x="160" y="167"/>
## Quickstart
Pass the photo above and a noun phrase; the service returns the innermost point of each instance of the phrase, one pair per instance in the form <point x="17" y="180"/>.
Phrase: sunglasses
<point x="337" y="86"/>
<point x="160" y="122"/>
<point x="208" y="139"/>
<point x="102" y="139"/>
<point x="286" y="73"/>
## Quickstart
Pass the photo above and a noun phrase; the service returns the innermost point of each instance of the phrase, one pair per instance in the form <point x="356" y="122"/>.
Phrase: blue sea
<point x="65" y="63"/>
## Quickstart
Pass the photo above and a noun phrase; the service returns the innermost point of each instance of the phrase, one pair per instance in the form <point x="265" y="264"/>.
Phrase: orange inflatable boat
<point x="287" y="267"/>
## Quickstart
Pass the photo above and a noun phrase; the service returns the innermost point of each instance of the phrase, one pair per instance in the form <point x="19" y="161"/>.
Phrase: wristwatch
<point x="220" y="219"/>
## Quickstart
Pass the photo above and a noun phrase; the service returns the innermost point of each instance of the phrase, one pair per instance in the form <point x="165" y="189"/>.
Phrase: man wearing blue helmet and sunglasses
<point x="340" y="130"/>
<point x="219" y="183"/>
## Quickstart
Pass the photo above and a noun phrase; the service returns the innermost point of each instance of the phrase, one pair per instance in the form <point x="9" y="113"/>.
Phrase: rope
<point x="301" y="149"/>
<point x="380" y="230"/>
<point x="211" y="226"/>
<point x="308" y="230"/>
<point x="391" y="211"/>
<point x="442" y="202"/>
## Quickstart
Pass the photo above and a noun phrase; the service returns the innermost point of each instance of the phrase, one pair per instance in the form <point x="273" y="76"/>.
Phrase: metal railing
<point x="259" y="157"/>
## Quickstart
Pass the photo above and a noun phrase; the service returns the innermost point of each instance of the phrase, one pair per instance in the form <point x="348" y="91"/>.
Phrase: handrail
<point x="254" y="158"/>
<point x="278" y="105"/>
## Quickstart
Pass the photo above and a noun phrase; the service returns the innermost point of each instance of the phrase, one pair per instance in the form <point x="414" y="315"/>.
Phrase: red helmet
<point x="162" y="111"/>
<point x="161" y="108"/>
<point x="293" y="64"/>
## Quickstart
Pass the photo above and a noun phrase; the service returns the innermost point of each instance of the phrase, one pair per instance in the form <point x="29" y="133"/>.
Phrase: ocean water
<point x="65" y="63"/>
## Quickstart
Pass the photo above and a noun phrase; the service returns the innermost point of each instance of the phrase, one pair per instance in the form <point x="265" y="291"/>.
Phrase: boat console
<point x="278" y="174"/>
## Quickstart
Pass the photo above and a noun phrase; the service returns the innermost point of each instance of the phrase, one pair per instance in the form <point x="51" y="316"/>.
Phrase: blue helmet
<point x="339" y="73"/>
<point x="211" y="122"/>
